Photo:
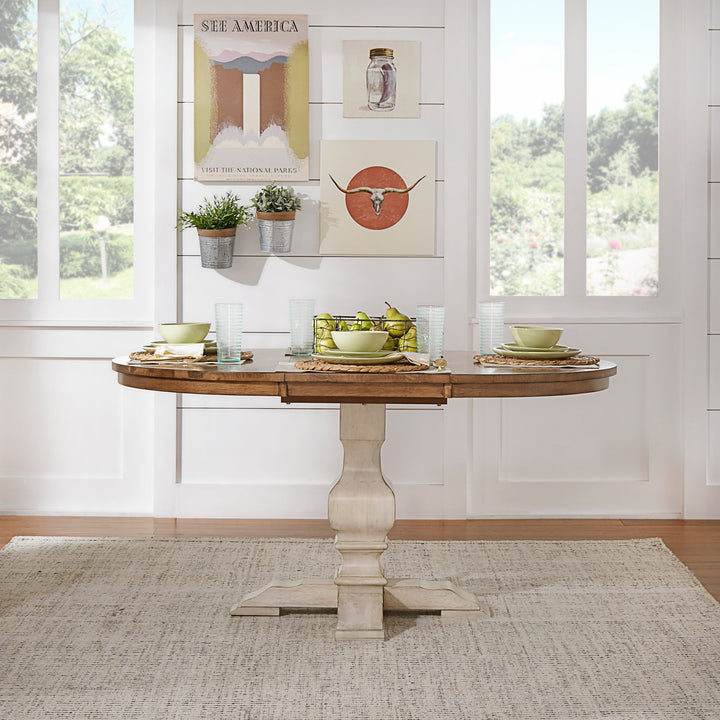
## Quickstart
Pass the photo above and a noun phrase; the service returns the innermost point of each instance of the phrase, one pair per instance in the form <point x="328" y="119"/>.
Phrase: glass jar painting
<point x="381" y="80"/>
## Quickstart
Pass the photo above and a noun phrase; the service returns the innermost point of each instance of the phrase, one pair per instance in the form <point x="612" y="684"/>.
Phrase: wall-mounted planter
<point x="276" y="231"/>
<point x="216" y="247"/>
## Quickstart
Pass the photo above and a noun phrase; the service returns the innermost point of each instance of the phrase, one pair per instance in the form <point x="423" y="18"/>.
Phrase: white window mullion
<point x="483" y="150"/>
<point x="47" y="151"/>
<point x="575" y="146"/>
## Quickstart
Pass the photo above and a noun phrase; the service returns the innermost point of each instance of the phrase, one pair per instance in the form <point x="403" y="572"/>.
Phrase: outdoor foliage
<point x="527" y="199"/>
<point x="95" y="140"/>
<point x="80" y="254"/>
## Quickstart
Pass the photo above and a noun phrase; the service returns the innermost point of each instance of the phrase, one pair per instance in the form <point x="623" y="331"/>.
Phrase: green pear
<point x="322" y="322"/>
<point x="343" y="325"/>
<point x="326" y="342"/>
<point x="365" y="323"/>
<point x="408" y="342"/>
<point x="389" y="343"/>
<point x="396" y="323"/>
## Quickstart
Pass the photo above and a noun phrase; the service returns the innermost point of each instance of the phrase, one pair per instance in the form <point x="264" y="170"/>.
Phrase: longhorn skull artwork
<point x="377" y="195"/>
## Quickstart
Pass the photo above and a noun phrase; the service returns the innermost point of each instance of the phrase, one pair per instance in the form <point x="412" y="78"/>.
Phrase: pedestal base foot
<point x="399" y="594"/>
<point x="269" y="600"/>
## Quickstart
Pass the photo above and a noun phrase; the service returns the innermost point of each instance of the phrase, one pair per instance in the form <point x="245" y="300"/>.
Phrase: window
<point x="66" y="136"/>
<point x="553" y="124"/>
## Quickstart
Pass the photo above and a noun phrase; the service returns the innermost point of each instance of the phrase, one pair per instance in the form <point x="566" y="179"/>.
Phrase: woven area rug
<point x="139" y="628"/>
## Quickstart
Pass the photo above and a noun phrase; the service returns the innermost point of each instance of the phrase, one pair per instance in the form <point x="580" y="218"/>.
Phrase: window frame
<point x="574" y="304"/>
<point x="48" y="308"/>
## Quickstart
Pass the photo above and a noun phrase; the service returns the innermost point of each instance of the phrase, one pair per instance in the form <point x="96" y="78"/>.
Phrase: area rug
<point x="139" y="629"/>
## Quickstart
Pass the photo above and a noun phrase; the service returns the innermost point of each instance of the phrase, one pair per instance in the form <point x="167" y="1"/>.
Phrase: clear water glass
<point x="301" y="326"/>
<point x="228" y="331"/>
<point x="491" y="319"/>
<point x="430" y="322"/>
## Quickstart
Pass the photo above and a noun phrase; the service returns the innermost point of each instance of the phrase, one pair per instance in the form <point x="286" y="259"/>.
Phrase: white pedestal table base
<point x="361" y="510"/>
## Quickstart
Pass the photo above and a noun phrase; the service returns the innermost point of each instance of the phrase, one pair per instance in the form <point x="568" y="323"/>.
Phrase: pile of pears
<point x="402" y="333"/>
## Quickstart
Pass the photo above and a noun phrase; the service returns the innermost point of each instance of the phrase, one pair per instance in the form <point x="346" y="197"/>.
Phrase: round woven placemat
<point x="578" y="360"/>
<point x="144" y="356"/>
<point x="336" y="367"/>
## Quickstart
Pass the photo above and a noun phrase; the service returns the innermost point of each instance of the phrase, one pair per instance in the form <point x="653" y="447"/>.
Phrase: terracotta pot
<point x="276" y="216"/>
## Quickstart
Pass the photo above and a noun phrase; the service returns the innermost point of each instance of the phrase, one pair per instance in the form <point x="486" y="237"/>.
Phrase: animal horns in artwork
<point x="377" y="195"/>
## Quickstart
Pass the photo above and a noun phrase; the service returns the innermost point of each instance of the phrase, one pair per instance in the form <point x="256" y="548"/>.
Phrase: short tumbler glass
<point x="301" y="326"/>
<point x="430" y="321"/>
<point x="228" y="331"/>
<point x="491" y="318"/>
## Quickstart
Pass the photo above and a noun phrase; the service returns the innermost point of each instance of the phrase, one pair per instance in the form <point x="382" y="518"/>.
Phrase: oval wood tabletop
<point x="271" y="373"/>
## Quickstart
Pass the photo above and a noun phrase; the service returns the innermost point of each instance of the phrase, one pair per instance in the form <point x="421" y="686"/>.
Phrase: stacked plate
<point x="210" y="346"/>
<point x="377" y="357"/>
<point x="556" y="352"/>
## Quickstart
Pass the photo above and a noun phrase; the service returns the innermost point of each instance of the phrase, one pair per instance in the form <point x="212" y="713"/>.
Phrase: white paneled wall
<point x="228" y="447"/>
<point x="713" y="470"/>
<point x="73" y="440"/>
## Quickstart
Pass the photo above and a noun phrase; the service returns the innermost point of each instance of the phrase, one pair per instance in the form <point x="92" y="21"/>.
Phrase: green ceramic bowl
<point x="184" y="332"/>
<point x="359" y="340"/>
<point x="535" y="336"/>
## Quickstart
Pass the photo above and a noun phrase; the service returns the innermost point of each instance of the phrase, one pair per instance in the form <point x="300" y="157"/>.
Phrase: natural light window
<point x="622" y="147"/>
<point x="90" y="221"/>
<point x="528" y="187"/>
<point x="18" y="150"/>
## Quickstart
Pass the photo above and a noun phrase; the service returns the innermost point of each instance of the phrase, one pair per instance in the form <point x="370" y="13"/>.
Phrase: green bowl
<point x="359" y="340"/>
<point x="535" y="336"/>
<point x="184" y="332"/>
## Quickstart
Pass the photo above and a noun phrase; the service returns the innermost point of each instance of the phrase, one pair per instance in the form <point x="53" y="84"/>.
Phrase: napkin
<point x="180" y="351"/>
<point x="421" y="359"/>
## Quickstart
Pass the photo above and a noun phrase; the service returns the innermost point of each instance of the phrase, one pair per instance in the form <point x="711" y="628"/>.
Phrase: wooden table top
<point x="271" y="373"/>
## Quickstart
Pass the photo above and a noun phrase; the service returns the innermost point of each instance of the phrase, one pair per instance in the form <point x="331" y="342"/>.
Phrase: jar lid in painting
<point x="381" y="52"/>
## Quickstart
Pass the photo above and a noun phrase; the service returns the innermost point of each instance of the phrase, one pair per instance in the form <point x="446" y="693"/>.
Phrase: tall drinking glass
<point x="430" y="321"/>
<point x="301" y="326"/>
<point x="491" y="318"/>
<point x="228" y="330"/>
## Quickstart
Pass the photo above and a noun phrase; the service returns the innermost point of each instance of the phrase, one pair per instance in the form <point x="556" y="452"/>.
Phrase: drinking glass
<point x="491" y="318"/>
<point x="301" y="326"/>
<point x="228" y="330"/>
<point x="430" y="321"/>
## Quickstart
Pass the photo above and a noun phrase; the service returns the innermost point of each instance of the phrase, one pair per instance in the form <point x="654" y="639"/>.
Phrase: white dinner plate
<point x="359" y="354"/>
<point x="543" y="355"/>
<point x="348" y="360"/>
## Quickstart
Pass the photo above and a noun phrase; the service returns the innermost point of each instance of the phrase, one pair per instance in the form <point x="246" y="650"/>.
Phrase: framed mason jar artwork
<point x="381" y="78"/>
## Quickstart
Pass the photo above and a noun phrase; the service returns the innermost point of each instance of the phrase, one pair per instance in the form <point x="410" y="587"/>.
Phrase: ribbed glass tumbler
<point x="228" y="331"/>
<point x="430" y="322"/>
<point x="491" y="319"/>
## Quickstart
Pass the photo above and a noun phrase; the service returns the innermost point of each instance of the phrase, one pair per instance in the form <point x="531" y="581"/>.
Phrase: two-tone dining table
<point x="361" y="504"/>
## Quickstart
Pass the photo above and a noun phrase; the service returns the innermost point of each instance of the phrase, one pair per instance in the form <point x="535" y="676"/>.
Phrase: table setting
<point x="534" y="346"/>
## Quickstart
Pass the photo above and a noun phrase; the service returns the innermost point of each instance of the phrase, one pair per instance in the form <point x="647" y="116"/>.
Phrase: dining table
<point x="361" y="503"/>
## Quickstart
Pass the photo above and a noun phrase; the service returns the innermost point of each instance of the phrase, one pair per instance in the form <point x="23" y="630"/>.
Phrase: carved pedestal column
<point x="361" y="510"/>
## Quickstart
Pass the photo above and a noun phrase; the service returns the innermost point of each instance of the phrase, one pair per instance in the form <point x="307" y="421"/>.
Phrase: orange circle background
<point x="394" y="205"/>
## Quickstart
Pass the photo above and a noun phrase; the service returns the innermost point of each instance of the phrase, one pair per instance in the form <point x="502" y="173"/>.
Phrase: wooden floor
<point x="695" y="542"/>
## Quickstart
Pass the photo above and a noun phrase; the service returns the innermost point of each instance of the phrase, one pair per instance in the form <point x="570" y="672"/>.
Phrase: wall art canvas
<point x="251" y="97"/>
<point x="381" y="78"/>
<point x="377" y="197"/>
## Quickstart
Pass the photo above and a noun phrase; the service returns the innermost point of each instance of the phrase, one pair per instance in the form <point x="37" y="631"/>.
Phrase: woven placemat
<point x="402" y="366"/>
<point x="144" y="356"/>
<point x="578" y="360"/>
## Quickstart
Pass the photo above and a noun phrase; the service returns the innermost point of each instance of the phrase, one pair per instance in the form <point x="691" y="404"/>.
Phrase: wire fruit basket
<point x="398" y="337"/>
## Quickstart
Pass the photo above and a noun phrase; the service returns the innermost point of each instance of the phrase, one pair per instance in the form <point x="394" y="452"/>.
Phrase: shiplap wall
<point x="230" y="443"/>
<point x="713" y="254"/>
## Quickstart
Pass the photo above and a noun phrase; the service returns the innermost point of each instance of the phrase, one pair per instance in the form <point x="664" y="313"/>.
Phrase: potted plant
<point x="216" y="221"/>
<point x="275" y="208"/>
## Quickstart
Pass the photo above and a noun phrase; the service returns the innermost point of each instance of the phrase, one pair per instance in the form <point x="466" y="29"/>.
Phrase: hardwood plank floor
<point x="695" y="542"/>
